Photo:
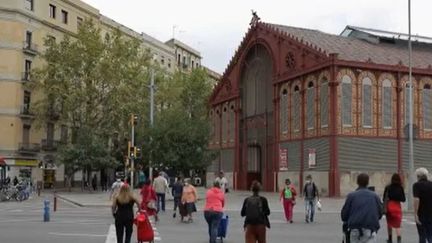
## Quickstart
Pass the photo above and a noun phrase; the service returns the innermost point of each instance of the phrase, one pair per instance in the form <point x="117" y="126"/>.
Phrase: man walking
<point x="177" y="192"/>
<point x="311" y="196"/>
<point x="223" y="182"/>
<point x="160" y="185"/>
<point x="362" y="212"/>
<point x="422" y="191"/>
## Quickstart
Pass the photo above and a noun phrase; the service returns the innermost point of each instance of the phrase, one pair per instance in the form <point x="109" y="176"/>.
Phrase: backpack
<point x="288" y="193"/>
<point x="254" y="210"/>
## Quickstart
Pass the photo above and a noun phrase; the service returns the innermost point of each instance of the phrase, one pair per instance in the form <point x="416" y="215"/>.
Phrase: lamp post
<point x="152" y="90"/>
<point x="411" y="119"/>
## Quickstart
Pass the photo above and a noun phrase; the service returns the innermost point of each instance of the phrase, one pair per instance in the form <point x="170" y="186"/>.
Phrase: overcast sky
<point x="215" y="28"/>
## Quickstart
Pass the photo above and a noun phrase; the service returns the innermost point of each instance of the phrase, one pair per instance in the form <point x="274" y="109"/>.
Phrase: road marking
<point x="111" y="236"/>
<point x="76" y="234"/>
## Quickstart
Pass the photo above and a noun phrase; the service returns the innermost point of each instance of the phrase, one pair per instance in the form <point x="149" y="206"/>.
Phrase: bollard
<point x="38" y="189"/>
<point x="55" y="202"/>
<point x="46" y="215"/>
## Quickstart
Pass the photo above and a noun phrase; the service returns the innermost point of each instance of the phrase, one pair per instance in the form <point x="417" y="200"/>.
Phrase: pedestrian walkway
<point x="112" y="238"/>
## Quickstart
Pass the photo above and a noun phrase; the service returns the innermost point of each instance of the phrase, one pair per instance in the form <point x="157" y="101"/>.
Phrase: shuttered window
<point x="427" y="107"/>
<point x="387" y="104"/>
<point x="324" y="103"/>
<point x="310" y="96"/>
<point x="367" y="102"/>
<point x="283" y="112"/>
<point x="296" y="111"/>
<point x="224" y="125"/>
<point x="346" y="101"/>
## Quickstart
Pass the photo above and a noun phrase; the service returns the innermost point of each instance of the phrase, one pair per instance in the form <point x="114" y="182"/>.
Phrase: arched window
<point x="296" y="99"/>
<point x="346" y="101"/>
<point x="367" y="102"/>
<point x="310" y="105"/>
<point x="224" y="124"/>
<point x="283" y="112"/>
<point x="427" y="106"/>
<point x="407" y="91"/>
<point x="324" y="101"/>
<point x="387" y="104"/>
<point x="212" y="127"/>
<point x="231" y="123"/>
<point x="217" y="126"/>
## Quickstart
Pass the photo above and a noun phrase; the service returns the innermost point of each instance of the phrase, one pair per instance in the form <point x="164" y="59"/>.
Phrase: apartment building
<point x="27" y="151"/>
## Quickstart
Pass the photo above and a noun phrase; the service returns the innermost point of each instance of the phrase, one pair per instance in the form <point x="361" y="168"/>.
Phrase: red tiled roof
<point x="352" y="49"/>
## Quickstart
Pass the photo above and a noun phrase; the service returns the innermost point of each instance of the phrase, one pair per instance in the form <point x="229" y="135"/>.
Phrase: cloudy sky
<point x="215" y="28"/>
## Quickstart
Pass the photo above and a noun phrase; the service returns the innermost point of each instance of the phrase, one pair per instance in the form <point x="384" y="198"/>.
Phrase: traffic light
<point x="137" y="152"/>
<point x="131" y="150"/>
<point x="134" y="119"/>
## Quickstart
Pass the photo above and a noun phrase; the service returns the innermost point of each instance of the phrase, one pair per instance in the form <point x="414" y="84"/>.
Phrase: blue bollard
<point x="46" y="215"/>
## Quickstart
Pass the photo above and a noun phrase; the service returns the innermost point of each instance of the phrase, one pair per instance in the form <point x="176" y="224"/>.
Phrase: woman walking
<point x="287" y="197"/>
<point x="256" y="210"/>
<point x="149" y="198"/>
<point x="213" y="210"/>
<point x="393" y="196"/>
<point x="122" y="210"/>
<point x="189" y="198"/>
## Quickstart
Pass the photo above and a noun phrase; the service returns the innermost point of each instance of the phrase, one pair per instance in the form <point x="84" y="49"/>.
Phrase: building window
<point x="217" y="126"/>
<point x="283" y="113"/>
<point x="407" y="102"/>
<point x="64" y="134"/>
<point x="29" y="5"/>
<point x="162" y="60"/>
<point x="169" y="63"/>
<point x="27" y="70"/>
<point x="184" y="62"/>
<point x="178" y="59"/>
<point x="231" y="123"/>
<point x="367" y="102"/>
<point x="79" y="21"/>
<point x="427" y="106"/>
<point x="26" y="102"/>
<point x="52" y="11"/>
<point x="28" y="39"/>
<point x="387" y="104"/>
<point x="346" y="101"/>
<point x="324" y="97"/>
<point x="64" y="16"/>
<point x="297" y="109"/>
<point x="193" y="64"/>
<point x="310" y="106"/>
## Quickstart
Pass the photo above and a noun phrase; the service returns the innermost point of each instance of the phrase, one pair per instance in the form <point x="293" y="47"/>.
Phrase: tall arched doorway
<point x="256" y="118"/>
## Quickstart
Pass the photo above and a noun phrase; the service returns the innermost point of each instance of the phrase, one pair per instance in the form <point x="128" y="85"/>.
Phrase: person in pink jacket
<point x="213" y="210"/>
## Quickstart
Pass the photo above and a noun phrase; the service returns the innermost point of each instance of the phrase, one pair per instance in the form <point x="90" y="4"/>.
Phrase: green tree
<point x="92" y="83"/>
<point x="181" y="131"/>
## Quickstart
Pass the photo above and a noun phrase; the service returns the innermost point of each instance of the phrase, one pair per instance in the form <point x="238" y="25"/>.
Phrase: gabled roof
<point x="385" y="51"/>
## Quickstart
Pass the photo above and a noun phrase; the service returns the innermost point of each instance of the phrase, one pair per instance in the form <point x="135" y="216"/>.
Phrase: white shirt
<point x="223" y="182"/>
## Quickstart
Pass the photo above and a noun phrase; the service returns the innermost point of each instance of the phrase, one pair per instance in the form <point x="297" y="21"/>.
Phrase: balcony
<point x="30" y="48"/>
<point x="49" y="144"/>
<point x="25" y="112"/>
<point x="29" y="148"/>
<point x="25" y="77"/>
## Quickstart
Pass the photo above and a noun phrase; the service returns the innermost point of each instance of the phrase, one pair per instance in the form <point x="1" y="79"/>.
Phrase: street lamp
<point x="410" y="125"/>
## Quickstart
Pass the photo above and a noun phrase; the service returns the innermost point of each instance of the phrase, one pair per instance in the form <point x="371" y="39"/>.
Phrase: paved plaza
<point x="86" y="217"/>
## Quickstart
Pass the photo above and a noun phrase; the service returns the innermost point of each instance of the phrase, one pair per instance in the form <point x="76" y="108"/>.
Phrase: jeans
<point x="425" y="231"/>
<point x="310" y="209"/>
<point x="213" y="219"/>
<point x="176" y="203"/>
<point x="362" y="236"/>
<point x="160" y="201"/>
<point x="121" y="227"/>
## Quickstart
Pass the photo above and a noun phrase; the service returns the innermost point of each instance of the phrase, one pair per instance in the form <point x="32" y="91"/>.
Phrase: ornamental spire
<point x="255" y="19"/>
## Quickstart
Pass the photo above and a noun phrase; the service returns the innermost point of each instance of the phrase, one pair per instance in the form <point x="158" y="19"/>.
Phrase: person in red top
<point x="287" y="197"/>
<point x="213" y="210"/>
<point x="148" y="202"/>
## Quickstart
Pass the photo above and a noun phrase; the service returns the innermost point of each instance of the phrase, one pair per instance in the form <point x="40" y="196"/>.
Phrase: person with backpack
<point x="311" y="196"/>
<point x="256" y="211"/>
<point x="287" y="197"/>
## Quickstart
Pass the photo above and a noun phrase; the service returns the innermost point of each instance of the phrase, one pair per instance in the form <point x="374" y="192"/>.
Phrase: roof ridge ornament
<point x="255" y="19"/>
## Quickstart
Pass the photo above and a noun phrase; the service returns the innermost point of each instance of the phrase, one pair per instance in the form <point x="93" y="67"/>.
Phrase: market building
<point x="297" y="101"/>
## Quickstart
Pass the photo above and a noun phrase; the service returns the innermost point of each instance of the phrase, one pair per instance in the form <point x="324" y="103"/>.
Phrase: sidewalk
<point x="234" y="200"/>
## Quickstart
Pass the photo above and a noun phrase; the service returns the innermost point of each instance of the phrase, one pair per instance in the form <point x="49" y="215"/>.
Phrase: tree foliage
<point x="91" y="82"/>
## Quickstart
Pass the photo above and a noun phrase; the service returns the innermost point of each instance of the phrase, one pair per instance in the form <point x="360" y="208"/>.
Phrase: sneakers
<point x="290" y="221"/>
<point x="174" y="215"/>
